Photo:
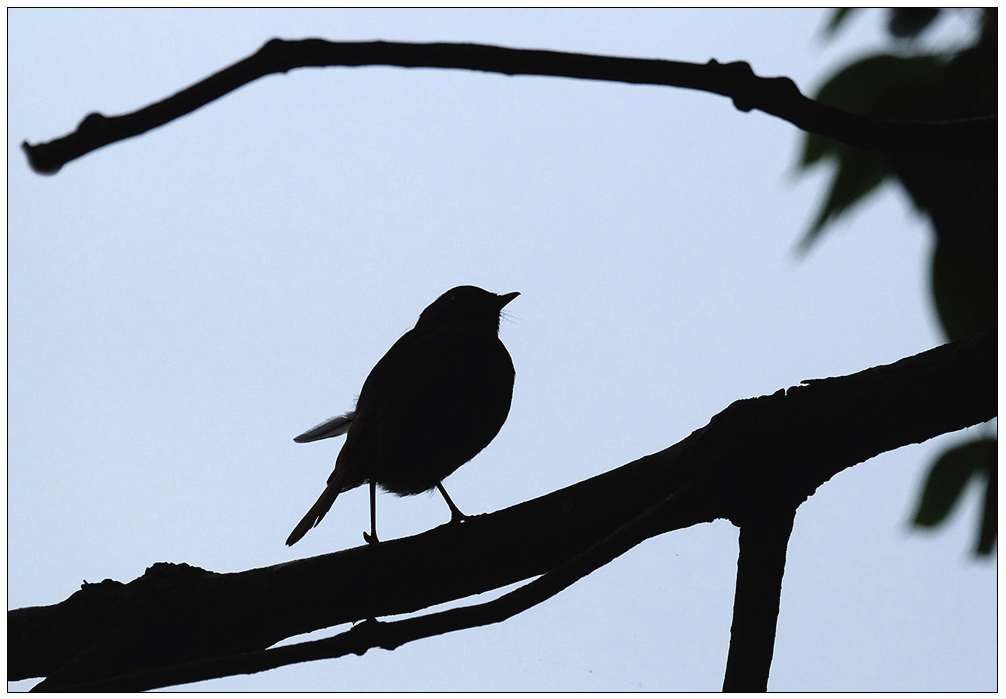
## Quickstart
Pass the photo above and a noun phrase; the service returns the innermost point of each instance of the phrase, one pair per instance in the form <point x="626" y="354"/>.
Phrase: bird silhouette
<point x="434" y="401"/>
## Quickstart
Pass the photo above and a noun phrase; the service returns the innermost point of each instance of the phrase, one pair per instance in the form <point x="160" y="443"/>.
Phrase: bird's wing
<point x="404" y="390"/>
<point x="407" y="371"/>
<point x="330" y="428"/>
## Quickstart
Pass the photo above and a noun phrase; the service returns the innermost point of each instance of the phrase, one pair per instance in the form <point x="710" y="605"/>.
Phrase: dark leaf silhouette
<point x="957" y="192"/>
<point x="839" y="17"/>
<point x="909" y="22"/>
<point x="885" y="86"/>
<point x="947" y="480"/>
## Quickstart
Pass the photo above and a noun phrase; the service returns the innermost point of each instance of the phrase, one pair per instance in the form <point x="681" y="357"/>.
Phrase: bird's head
<point x="467" y="307"/>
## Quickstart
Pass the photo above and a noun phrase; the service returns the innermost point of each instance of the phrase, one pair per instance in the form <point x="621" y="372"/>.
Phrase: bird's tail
<point x="346" y="475"/>
<point x="315" y="514"/>
<point x="320" y="508"/>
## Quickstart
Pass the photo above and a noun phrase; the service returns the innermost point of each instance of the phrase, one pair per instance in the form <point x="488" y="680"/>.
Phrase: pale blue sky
<point x="182" y="304"/>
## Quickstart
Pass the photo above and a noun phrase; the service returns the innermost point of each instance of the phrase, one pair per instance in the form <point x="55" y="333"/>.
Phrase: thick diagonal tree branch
<point x="777" y="96"/>
<point x="777" y="449"/>
<point x="390" y="635"/>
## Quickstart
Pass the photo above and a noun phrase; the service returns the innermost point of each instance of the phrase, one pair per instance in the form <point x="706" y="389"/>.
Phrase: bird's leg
<point x="456" y="514"/>
<point x="371" y="538"/>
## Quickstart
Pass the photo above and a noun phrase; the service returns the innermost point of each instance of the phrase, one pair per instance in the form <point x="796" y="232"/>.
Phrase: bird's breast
<point x="439" y="413"/>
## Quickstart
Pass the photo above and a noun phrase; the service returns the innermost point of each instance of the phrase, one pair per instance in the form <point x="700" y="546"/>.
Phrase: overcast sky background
<point x="182" y="304"/>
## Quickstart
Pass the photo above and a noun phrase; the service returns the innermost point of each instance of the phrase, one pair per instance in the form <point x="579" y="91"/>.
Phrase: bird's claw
<point x="371" y="538"/>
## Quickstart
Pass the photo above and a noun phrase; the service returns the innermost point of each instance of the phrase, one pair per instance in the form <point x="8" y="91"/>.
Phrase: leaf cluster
<point x="957" y="192"/>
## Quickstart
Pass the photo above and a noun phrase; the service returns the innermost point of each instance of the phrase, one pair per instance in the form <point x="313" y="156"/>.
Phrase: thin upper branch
<point x="777" y="448"/>
<point x="777" y="96"/>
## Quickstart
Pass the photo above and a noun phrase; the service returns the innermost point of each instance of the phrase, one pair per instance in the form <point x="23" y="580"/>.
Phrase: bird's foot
<point x="371" y="538"/>
<point x="457" y="515"/>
